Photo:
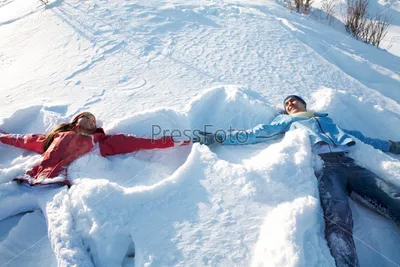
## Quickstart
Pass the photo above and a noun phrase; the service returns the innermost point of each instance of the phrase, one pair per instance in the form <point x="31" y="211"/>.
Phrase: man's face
<point x="292" y="106"/>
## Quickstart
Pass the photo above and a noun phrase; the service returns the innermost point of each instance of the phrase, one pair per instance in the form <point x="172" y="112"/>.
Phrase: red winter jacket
<point x="68" y="146"/>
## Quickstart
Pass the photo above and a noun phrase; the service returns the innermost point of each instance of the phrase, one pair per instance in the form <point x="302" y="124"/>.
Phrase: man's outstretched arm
<point x="260" y="133"/>
<point x="384" y="145"/>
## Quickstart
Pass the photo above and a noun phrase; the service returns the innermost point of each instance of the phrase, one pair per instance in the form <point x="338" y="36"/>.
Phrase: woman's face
<point x="86" y="124"/>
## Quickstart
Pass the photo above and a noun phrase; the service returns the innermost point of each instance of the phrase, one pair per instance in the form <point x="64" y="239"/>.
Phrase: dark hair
<point x="296" y="97"/>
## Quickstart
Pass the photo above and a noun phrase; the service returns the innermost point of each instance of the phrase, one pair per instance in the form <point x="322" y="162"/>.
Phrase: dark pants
<point x="340" y="177"/>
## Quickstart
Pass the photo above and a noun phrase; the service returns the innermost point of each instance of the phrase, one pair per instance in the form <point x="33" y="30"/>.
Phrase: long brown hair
<point x="63" y="127"/>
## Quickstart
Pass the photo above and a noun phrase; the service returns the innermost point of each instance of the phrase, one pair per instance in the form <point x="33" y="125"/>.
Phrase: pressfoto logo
<point x="208" y="131"/>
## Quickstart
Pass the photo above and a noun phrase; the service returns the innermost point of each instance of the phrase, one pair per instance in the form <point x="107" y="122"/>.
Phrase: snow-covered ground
<point x="183" y="65"/>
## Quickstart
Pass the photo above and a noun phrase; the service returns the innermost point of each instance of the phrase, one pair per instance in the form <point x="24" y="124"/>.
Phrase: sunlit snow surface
<point x="143" y="63"/>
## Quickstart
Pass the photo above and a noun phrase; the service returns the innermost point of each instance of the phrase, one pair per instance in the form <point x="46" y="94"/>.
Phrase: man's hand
<point x="394" y="147"/>
<point x="205" y="138"/>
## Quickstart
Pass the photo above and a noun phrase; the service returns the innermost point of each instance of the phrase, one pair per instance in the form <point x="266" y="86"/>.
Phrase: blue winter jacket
<point x="321" y="129"/>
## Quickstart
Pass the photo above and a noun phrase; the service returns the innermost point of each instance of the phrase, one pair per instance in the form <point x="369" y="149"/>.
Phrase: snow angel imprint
<point x="68" y="141"/>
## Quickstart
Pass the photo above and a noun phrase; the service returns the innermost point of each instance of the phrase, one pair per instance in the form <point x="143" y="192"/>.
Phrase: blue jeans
<point x="340" y="177"/>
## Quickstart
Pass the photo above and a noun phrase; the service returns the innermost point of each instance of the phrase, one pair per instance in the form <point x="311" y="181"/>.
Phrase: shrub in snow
<point x="356" y="16"/>
<point x="301" y="6"/>
<point x="328" y="6"/>
<point x="376" y="29"/>
<point x="307" y="6"/>
<point x="361" y="25"/>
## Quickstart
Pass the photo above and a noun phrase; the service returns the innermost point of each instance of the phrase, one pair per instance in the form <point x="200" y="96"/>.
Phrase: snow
<point x="32" y="246"/>
<point x="183" y="65"/>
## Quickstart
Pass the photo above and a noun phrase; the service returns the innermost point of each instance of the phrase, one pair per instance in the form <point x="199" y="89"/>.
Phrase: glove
<point x="394" y="147"/>
<point x="205" y="138"/>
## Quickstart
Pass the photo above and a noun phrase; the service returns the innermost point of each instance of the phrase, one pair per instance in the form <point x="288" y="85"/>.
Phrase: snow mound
<point x="283" y="226"/>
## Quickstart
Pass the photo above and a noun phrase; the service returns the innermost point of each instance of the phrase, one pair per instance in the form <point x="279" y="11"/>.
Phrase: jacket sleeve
<point x="260" y="133"/>
<point x="33" y="142"/>
<point x="120" y="144"/>
<point x="374" y="142"/>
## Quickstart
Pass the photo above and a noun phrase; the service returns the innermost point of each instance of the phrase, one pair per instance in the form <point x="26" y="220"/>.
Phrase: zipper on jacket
<point x="334" y="144"/>
<point x="268" y="136"/>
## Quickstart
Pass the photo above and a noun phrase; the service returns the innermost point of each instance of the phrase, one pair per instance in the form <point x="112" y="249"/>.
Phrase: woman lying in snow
<point x="339" y="176"/>
<point x="69" y="141"/>
<point x="66" y="143"/>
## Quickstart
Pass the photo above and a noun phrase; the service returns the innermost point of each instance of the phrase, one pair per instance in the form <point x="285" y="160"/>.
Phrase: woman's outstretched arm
<point x="120" y="144"/>
<point x="33" y="142"/>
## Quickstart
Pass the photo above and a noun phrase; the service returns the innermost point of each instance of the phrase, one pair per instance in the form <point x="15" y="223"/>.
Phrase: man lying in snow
<point x="69" y="141"/>
<point x="340" y="174"/>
